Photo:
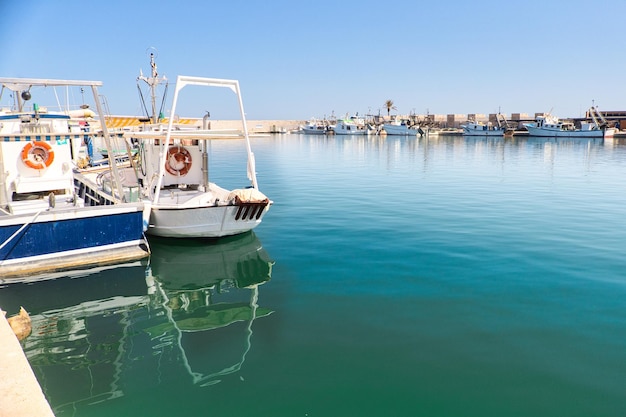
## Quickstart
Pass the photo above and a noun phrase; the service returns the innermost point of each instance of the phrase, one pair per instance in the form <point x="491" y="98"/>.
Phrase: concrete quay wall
<point x="20" y="393"/>
<point x="440" y="120"/>
<point x="277" y="126"/>
<point x="256" y="126"/>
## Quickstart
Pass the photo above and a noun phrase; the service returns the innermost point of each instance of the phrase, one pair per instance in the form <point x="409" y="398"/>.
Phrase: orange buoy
<point x="178" y="161"/>
<point x="37" y="155"/>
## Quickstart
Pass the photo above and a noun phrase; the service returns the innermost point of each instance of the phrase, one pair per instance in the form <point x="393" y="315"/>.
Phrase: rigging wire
<point x="143" y="101"/>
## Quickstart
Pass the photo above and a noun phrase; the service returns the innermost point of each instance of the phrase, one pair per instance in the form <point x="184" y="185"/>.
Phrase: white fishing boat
<point x="402" y="127"/>
<point x="44" y="225"/>
<point x="474" y="128"/>
<point x="316" y="127"/>
<point x="174" y="174"/>
<point x="550" y="126"/>
<point x="353" y="125"/>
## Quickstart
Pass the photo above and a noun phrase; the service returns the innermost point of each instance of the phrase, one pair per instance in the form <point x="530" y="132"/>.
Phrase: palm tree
<point x="389" y="105"/>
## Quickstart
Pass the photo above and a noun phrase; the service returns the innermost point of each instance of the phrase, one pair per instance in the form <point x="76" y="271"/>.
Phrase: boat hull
<point x="349" y="128"/>
<point x="482" y="129"/>
<point x="352" y="132"/>
<point x="555" y="133"/>
<point x="609" y="133"/>
<point x="401" y="130"/>
<point x="205" y="222"/>
<point x="69" y="238"/>
<point x="314" y="130"/>
<point x="491" y="133"/>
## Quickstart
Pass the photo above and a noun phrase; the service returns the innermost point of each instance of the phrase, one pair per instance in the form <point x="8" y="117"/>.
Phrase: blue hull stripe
<point x="60" y="236"/>
<point x="18" y="116"/>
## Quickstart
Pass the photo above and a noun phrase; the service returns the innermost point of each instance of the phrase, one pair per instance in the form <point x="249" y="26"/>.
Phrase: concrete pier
<point x="20" y="393"/>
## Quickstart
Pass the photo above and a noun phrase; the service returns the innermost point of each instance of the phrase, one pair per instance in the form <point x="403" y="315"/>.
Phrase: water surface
<point x="438" y="276"/>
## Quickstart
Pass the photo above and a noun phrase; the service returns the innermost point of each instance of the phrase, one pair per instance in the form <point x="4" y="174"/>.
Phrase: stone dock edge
<point x="20" y="392"/>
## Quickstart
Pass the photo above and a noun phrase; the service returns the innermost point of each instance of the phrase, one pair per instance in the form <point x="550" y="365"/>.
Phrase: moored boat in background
<point x="402" y="127"/>
<point x="552" y="127"/>
<point x="473" y="128"/>
<point x="354" y="125"/>
<point x="317" y="127"/>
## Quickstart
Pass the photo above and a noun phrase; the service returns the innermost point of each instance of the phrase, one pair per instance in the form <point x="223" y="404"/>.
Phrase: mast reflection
<point x="98" y="332"/>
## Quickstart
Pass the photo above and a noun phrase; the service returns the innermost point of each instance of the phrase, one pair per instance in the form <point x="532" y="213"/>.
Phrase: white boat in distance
<point x="473" y="128"/>
<point x="317" y="127"/>
<point x="549" y="126"/>
<point x="402" y="128"/>
<point x="354" y="125"/>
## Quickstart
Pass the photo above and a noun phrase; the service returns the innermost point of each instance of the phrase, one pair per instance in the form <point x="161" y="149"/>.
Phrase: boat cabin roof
<point x="187" y="134"/>
<point x="26" y="116"/>
<point x="18" y="84"/>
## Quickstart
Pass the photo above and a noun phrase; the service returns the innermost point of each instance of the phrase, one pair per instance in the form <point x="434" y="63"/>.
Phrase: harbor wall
<point x="283" y="126"/>
<point x="20" y="393"/>
<point x="255" y="126"/>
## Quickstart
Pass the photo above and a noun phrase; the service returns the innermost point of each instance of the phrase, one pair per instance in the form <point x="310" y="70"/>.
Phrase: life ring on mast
<point x="37" y="155"/>
<point x="178" y="161"/>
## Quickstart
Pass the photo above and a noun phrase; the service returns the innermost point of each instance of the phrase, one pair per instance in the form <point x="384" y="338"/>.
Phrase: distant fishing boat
<point x="402" y="127"/>
<point x="353" y="125"/>
<point x="552" y="127"/>
<point x="473" y="128"/>
<point x="316" y="127"/>
<point x="44" y="225"/>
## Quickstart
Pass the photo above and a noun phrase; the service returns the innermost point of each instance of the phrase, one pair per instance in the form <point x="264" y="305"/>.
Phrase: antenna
<point x="153" y="81"/>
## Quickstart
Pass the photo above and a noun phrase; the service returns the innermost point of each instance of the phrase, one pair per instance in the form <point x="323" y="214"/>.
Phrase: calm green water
<point x="392" y="277"/>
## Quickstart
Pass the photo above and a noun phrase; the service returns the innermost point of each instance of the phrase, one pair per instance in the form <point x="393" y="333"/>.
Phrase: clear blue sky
<point x="299" y="59"/>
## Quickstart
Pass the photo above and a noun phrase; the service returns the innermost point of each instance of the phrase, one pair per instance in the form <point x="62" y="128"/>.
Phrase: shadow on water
<point x="187" y="314"/>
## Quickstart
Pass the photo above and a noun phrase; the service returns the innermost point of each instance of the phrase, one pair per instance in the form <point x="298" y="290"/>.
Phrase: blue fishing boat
<point x="44" y="225"/>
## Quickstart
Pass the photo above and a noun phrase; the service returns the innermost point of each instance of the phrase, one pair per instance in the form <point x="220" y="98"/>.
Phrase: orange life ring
<point x="38" y="155"/>
<point x="178" y="161"/>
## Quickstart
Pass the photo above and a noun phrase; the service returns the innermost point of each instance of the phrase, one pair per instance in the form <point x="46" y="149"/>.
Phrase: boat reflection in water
<point x="200" y="288"/>
<point x="186" y="316"/>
